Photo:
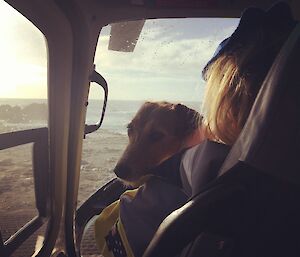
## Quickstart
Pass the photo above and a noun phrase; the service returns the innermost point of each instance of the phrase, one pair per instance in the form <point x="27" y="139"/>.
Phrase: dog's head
<point x="157" y="132"/>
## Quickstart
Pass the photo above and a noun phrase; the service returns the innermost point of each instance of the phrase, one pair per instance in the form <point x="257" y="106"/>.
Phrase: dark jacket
<point x="175" y="181"/>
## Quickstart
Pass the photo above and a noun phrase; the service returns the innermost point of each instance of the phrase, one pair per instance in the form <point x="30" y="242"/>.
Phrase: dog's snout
<point x="122" y="171"/>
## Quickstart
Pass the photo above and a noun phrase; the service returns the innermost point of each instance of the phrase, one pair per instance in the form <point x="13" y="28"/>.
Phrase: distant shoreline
<point x="95" y="99"/>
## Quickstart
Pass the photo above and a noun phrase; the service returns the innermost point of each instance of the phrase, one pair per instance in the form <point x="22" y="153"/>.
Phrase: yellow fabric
<point x="106" y="220"/>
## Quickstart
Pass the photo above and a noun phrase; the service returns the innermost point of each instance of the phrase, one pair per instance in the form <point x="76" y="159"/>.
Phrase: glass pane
<point x="17" y="196"/>
<point x="32" y="244"/>
<point x="23" y="105"/>
<point x="167" y="61"/>
<point x="23" y="65"/>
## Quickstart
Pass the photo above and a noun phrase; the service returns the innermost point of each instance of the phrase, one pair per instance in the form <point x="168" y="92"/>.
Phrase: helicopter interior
<point x="261" y="171"/>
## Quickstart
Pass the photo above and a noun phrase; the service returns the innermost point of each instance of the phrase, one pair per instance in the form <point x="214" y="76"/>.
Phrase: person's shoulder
<point x="205" y="148"/>
<point x="206" y="144"/>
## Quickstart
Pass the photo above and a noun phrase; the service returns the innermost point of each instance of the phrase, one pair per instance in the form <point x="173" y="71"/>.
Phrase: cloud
<point x="164" y="61"/>
<point x="167" y="57"/>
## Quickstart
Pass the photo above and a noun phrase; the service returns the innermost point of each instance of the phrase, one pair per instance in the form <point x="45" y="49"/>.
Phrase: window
<point x="23" y="106"/>
<point x="23" y="80"/>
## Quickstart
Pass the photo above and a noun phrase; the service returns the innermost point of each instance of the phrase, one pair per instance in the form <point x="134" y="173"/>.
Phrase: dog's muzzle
<point x="122" y="171"/>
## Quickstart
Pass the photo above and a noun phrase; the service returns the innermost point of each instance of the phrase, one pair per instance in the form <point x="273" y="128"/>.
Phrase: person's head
<point x="236" y="72"/>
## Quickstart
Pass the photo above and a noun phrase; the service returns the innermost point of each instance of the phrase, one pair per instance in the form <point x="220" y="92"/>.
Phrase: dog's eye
<point x="156" y="135"/>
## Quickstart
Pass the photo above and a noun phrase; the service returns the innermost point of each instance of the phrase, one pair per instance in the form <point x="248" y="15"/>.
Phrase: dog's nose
<point x="122" y="171"/>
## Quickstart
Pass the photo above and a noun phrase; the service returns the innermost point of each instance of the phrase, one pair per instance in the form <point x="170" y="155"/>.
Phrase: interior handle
<point x="100" y="80"/>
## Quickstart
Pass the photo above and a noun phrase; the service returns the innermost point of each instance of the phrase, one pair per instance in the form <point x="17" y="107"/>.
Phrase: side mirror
<point x="97" y="78"/>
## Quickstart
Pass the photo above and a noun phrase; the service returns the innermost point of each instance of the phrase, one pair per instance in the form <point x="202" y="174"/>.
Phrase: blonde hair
<point x="230" y="93"/>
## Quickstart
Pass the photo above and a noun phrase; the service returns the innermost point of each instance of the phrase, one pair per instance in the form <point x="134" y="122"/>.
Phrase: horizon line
<point x="113" y="99"/>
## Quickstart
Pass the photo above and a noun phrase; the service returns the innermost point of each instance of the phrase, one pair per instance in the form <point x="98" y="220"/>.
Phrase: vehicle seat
<point x="252" y="208"/>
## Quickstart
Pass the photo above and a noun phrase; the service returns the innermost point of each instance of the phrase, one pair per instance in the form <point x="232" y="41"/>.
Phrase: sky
<point x="166" y="63"/>
<point x="23" y="62"/>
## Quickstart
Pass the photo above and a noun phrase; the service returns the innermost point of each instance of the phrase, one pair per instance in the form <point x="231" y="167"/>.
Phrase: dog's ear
<point x="188" y="119"/>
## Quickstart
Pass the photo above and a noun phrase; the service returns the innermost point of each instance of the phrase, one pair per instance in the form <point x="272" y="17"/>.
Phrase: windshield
<point x="166" y="65"/>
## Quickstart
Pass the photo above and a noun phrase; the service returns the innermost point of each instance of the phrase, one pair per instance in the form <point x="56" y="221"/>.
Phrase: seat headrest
<point x="270" y="140"/>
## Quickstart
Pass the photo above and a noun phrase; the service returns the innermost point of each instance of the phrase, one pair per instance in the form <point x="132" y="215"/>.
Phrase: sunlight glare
<point x="23" y="62"/>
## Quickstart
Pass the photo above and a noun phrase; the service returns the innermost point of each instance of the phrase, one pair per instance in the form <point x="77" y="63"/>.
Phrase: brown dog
<point x="158" y="131"/>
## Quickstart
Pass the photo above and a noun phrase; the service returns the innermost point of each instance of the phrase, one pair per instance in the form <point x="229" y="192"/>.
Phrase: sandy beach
<point x="100" y="154"/>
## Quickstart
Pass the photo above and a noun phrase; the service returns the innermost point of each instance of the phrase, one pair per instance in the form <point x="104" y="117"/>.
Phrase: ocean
<point x="32" y="113"/>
